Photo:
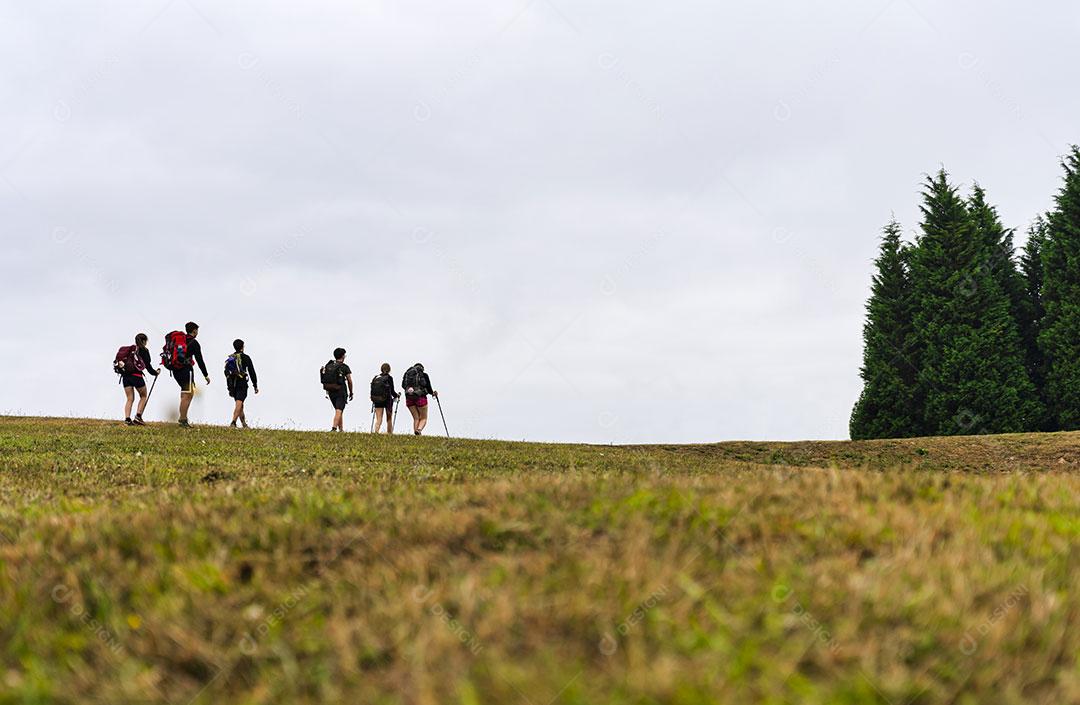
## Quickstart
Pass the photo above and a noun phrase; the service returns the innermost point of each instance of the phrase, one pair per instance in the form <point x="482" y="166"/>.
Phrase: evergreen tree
<point x="1031" y="316"/>
<point x="1059" y="338"/>
<point x="971" y="376"/>
<point x="999" y="259"/>
<point x="999" y="252"/>
<point x="884" y="409"/>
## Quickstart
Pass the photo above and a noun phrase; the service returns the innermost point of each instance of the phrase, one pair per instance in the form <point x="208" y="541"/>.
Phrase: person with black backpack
<point x="336" y="378"/>
<point x="179" y="356"/>
<point x="383" y="395"/>
<point x="130" y="363"/>
<point x="238" y="369"/>
<point x="417" y="386"/>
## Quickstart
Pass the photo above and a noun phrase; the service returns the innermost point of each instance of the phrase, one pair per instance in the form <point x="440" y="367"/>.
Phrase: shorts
<point x="339" y="399"/>
<point x="387" y="405"/>
<point x="420" y="402"/>
<point x="133" y="380"/>
<point x="184" y="378"/>
<point x="238" y="391"/>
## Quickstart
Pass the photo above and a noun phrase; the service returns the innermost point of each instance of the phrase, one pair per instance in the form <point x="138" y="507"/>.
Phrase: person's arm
<point x="348" y="379"/>
<point x="393" y="389"/>
<point x="196" y="352"/>
<point x="250" y="367"/>
<point x="144" y="353"/>
<point x="430" y="387"/>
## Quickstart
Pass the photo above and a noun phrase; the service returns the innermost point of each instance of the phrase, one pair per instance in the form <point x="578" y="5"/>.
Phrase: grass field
<point x="164" y="565"/>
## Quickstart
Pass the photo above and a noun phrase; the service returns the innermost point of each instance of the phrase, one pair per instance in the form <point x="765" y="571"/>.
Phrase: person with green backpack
<point x="336" y="378"/>
<point x="383" y="395"/>
<point x="238" y="369"/>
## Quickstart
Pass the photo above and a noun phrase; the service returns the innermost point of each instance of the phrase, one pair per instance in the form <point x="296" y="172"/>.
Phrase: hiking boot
<point x="129" y="422"/>
<point x="138" y="421"/>
<point x="184" y="423"/>
<point x="416" y="433"/>
<point x="333" y="430"/>
<point x="232" y="425"/>
<point x="243" y="424"/>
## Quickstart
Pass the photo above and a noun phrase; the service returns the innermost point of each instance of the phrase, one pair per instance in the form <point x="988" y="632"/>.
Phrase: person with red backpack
<point x="179" y="356"/>
<point x="131" y="362"/>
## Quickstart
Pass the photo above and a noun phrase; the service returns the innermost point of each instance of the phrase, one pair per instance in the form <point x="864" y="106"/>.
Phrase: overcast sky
<point x="592" y="221"/>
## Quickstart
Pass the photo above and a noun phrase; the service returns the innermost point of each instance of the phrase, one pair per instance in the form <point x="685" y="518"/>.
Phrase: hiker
<point x="238" y="368"/>
<point x="179" y="356"/>
<point x="383" y="395"/>
<point x="130" y="363"/>
<point x="336" y="378"/>
<point x="417" y="386"/>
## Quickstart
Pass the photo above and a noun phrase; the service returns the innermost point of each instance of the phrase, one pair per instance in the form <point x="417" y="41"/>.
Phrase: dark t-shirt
<point x="195" y="351"/>
<point x="248" y="368"/>
<point x="144" y="355"/>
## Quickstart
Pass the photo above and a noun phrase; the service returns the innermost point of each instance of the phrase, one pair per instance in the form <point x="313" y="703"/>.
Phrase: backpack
<point x="127" y="360"/>
<point x="382" y="388"/>
<point x="332" y="376"/>
<point x="234" y="370"/>
<point x="174" y="356"/>
<point x="413" y="382"/>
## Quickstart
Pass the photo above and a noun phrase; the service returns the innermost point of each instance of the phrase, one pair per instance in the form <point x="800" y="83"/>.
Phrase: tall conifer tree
<point x="999" y="258"/>
<point x="971" y="376"/>
<point x="1031" y="319"/>
<point x="999" y="251"/>
<point x="884" y="409"/>
<point x="1059" y="338"/>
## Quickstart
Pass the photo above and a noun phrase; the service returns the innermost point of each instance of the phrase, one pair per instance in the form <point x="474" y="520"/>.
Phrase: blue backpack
<point x="234" y="370"/>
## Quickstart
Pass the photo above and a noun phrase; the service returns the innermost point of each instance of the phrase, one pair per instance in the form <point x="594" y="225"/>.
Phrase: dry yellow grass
<point x="214" y="566"/>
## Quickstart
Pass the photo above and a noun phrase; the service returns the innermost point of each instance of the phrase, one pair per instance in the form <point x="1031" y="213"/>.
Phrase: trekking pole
<point x="151" y="392"/>
<point x="373" y="418"/>
<point x="437" y="401"/>
<point x="397" y="403"/>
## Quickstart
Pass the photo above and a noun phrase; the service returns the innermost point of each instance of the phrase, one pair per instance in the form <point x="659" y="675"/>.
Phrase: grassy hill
<point x="211" y="565"/>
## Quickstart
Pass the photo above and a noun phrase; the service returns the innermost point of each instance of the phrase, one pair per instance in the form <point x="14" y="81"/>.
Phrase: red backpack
<point x="127" y="360"/>
<point x="174" y="356"/>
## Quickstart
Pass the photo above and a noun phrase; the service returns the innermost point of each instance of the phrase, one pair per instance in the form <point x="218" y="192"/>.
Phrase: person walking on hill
<point x="417" y="386"/>
<point x="336" y="379"/>
<point x="238" y="369"/>
<point x="383" y="395"/>
<point x="131" y="362"/>
<point x="179" y="356"/>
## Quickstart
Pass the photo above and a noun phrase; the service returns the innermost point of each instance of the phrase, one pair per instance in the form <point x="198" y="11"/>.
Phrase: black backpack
<point x="413" y="380"/>
<point x="382" y="389"/>
<point x="332" y="376"/>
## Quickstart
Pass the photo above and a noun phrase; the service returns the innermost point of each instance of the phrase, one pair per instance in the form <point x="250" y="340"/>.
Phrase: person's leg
<point x="143" y="397"/>
<point x="390" y="420"/>
<point x="421" y="423"/>
<point x="238" y="411"/>
<point x="129" y="392"/>
<point x="378" y="418"/>
<point x="415" y="418"/>
<point x="185" y="403"/>
<point x="243" y="416"/>
<point x="339" y="419"/>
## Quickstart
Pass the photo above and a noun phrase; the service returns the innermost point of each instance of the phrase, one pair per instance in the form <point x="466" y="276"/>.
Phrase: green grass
<point x="215" y="566"/>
